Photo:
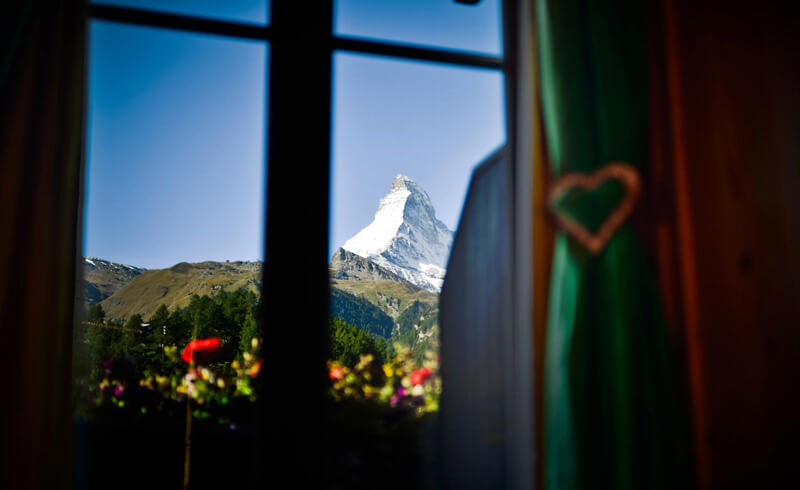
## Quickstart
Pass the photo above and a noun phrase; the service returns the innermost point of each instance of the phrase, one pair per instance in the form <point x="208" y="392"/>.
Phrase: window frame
<point x="295" y="282"/>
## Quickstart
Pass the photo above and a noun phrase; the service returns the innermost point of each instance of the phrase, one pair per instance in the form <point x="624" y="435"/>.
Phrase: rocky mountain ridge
<point x="102" y="278"/>
<point x="363" y="278"/>
<point x="405" y="237"/>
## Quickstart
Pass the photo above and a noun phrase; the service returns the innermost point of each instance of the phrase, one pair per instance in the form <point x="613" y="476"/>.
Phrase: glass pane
<point x="173" y="246"/>
<point x="406" y="138"/>
<point x="253" y="11"/>
<point x="429" y="23"/>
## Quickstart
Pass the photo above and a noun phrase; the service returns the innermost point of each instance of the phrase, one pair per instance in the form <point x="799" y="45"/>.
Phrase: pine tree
<point x="95" y="314"/>
<point x="250" y="329"/>
<point x="179" y="328"/>
<point x="130" y="337"/>
<point x="159" y="323"/>
<point x="348" y="343"/>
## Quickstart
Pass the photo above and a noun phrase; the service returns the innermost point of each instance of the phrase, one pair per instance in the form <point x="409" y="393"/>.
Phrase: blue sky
<point x="251" y="11"/>
<point x="431" y="122"/>
<point x="175" y="161"/>
<point x="175" y="147"/>
<point x="440" y="23"/>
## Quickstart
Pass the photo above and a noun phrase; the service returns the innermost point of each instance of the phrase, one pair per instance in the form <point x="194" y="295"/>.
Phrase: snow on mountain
<point x="103" y="278"/>
<point x="405" y="237"/>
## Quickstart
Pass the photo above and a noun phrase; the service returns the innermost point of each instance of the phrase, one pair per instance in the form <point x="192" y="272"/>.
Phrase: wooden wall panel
<point x="734" y="130"/>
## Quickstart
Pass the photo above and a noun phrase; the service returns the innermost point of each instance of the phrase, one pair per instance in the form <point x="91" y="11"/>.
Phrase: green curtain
<point x="614" y="411"/>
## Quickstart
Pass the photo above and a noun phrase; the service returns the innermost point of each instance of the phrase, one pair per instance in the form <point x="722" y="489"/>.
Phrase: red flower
<point x="336" y="373"/>
<point x="256" y="367"/>
<point x="201" y="350"/>
<point x="420" y="375"/>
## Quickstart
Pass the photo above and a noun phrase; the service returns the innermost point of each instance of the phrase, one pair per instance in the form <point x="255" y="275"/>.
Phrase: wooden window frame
<point x="295" y="294"/>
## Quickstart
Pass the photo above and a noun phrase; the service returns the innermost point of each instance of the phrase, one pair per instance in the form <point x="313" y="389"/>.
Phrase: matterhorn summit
<point x="405" y="237"/>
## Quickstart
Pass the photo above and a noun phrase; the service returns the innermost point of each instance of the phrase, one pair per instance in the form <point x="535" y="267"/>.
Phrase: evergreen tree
<point x="359" y="312"/>
<point x="209" y="320"/>
<point x="179" y="328"/>
<point x="159" y="324"/>
<point x="130" y="338"/>
<point x="249" y="330"/>
<point x="233" y="317"/>
<point x="348" y="343"/>
<point x="100" y="343"/>
<point x="95" y="314"/>
<point x="160" y="317"/>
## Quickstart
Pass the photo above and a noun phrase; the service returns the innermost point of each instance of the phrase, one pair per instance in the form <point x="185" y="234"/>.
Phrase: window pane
<point x="173" y="246"/>
<point x="253" y="11"/>
<point x="406" y="138"/>
<point x="429" y="23"/>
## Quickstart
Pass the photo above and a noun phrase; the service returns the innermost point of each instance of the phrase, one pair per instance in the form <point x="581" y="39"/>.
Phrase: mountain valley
<point x="102" y="278"/>
<point x="384" y="280"/>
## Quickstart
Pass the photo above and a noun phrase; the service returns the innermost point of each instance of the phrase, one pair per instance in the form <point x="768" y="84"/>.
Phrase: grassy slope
<point x="175" y="286"/>
<point x="105" y="278"/>
<point x="391" y="297"/>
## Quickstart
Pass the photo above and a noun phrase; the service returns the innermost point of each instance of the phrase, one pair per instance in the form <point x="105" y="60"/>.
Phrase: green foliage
<point x="101" y="344"/>
<point x="232" y="317"/>
<point x="348" y="343"/>
<point x="403" y="382"/>
<point x="95" y="314"/>
<point x="423" y="315"/>
<point x="160" y="317"/>
<point x="418" y="328"/>
<point x="206" y="316"/>
<point x="179" y="328"/>
<point x="219" y="391"/>
<point x="131" y="337"/>
<point x="134" y="322"/>
<point x="158" y="323"/>
<point x="361" y="313"/>
<point x="250" y="330"/>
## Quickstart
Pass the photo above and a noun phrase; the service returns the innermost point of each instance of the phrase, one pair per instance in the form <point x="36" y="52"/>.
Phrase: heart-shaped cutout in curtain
<point x="613" y="400"/>
<point x="591" y="207"/>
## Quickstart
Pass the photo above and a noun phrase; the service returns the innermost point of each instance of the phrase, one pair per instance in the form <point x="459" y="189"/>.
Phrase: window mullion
<point x="295" y="296"/>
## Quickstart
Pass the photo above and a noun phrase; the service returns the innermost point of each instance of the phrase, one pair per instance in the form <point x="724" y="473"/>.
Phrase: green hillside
<point x="418" y="327"/>
<point x="365" y="279"/>
<point x="102" y="278"/>
<point x="362" y="294"/>
<point x="361" y="313"/>
<point x="348" y="343"/>
<point x="174" y="287"/>
<point x="391" y="297"/>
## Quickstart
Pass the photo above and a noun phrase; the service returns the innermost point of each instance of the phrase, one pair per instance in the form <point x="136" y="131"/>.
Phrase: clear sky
<point x="431" y="122"/>
<point x="251" y="11"/>
<point x="439" y="23"/>
<point x="175" y="163"/>
<point x="176" y="126"/>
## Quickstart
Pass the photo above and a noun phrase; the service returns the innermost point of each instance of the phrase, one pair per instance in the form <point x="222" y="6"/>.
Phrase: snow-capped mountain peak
<point x="405" y="236"/>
